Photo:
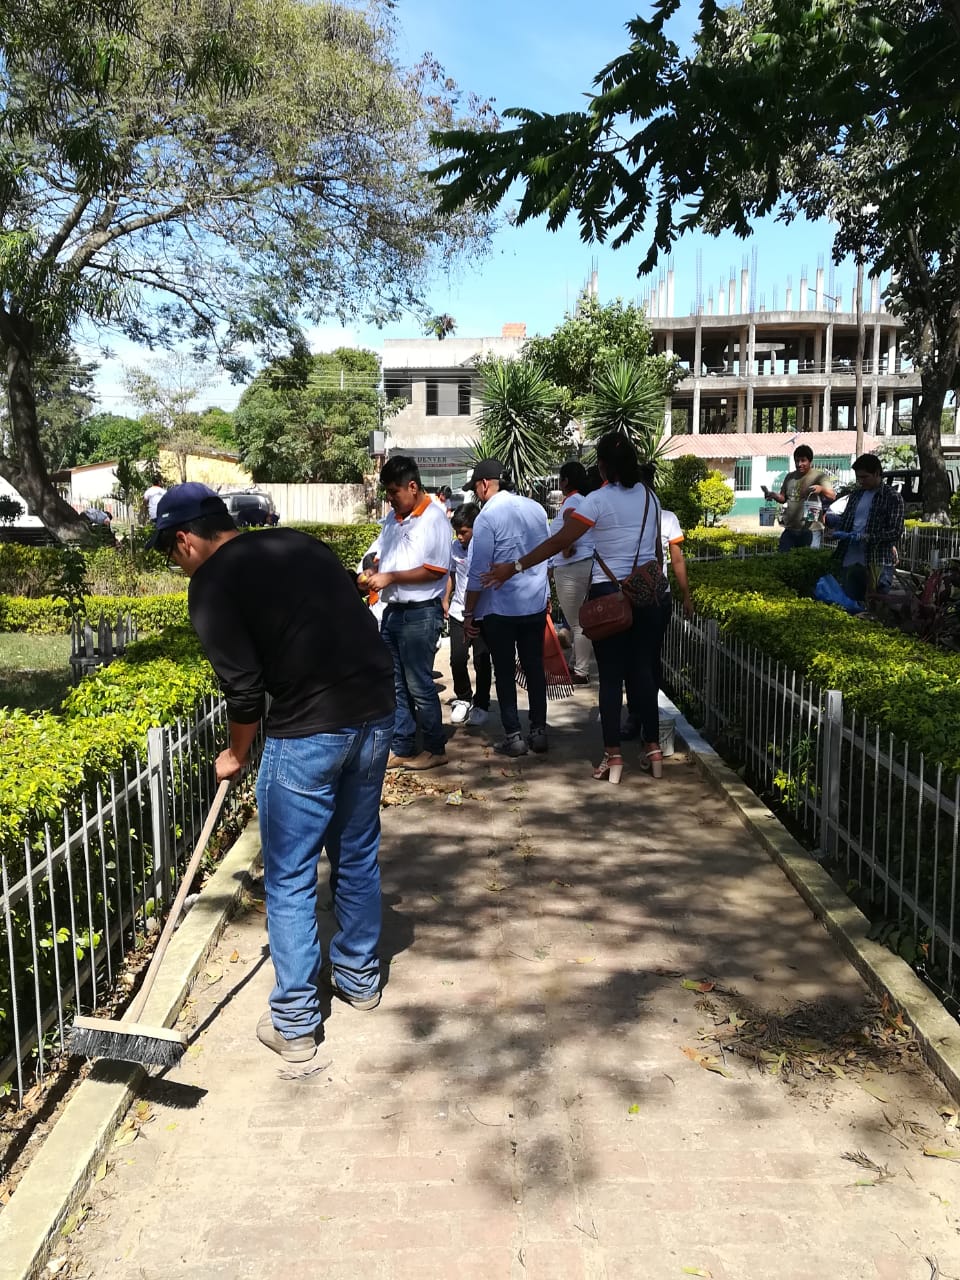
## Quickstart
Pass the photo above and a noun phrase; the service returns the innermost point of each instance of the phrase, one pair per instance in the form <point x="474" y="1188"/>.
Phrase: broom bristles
<point x="150" y="1048"/>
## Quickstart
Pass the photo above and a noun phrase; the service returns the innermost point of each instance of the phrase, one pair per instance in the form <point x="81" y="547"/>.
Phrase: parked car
<point x="250" y="507"/>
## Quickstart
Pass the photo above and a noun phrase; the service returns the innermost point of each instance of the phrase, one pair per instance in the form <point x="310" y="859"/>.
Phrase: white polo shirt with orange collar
<point x="422" y="539"/>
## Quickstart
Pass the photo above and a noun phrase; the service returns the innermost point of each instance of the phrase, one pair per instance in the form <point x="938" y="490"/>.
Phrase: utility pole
<point x="858" y="368"/>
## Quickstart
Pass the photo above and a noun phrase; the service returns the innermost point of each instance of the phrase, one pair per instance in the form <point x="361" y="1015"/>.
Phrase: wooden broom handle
<point x="135" y="1010"/>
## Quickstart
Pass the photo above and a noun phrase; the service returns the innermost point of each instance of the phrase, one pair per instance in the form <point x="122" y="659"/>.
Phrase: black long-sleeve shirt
<point x="277" y="613"/>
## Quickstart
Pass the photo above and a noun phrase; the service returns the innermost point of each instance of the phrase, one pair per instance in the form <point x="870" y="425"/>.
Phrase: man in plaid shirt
<point x="868" y="530"/>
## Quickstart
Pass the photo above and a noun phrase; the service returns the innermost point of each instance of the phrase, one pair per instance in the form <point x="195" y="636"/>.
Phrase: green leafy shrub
<point x="50" y="617"/>
<point x="902" y="685"/>
<point x="677" y="482"/>
<point x="704" y="540"/>
<point x="715" y="497"/>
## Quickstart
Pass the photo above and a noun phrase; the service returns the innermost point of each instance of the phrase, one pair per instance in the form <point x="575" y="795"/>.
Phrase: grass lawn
<point x="34" y="671"/>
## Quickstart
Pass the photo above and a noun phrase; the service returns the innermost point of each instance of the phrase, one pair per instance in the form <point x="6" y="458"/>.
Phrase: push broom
<point x="129" y="1040"/>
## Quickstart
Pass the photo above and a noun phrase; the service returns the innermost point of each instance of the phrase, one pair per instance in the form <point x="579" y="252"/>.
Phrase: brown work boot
<point x="294" y="1049"/>
<point x="399" y="762"/>
<point x="426" y="760"/>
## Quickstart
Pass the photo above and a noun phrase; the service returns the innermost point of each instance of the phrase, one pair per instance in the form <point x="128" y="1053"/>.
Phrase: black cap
<point x="488" y="469"/>
<point x="183" y="503"/>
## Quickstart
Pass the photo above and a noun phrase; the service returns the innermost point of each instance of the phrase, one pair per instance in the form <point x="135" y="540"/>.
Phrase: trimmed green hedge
<point x="717" y="539"/>
<point x="902" y="685"/>
<point x="48" y="760"/>
<point x="50" y="617"/>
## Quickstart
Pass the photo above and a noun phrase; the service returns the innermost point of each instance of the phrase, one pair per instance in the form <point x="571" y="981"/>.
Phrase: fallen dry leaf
<point x="234" y="957"/>
<point x="583" y="960"/>
<point x="707" y="1061"/>
<point x="874" y="1090"/>
<point x="701" y="985"/>
<point x="942" y="1153"/>
<point x="696" y="1271"/>
<point x="101" y="1172"/>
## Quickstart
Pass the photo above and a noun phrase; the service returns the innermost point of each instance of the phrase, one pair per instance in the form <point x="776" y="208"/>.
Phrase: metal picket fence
<point x="90" y="886"/>
<point x="924" y="548"/>
<point x="868" y="804"/>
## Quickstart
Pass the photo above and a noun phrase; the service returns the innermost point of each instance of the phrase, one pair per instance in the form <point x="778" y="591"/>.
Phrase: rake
<point x="559" y="684"/>
<point x="130" y="1040"/>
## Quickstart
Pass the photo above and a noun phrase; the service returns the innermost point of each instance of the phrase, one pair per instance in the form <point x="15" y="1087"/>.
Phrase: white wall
<point x="318" y="503"/>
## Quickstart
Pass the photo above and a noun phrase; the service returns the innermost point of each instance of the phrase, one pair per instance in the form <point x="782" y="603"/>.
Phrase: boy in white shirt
<point x="469" y="706"/>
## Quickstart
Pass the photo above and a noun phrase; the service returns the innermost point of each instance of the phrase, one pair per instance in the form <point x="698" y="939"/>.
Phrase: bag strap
<point x="603" y="565"/>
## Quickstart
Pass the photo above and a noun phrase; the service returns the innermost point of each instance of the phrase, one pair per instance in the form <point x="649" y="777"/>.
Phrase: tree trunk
<point x="935" y="483"/>
<point x="26" y="469"/>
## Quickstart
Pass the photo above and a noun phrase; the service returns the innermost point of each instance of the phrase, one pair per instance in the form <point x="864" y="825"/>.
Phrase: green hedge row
<point x="49" y="760"/>
<point x="902" y="685"/>
<point x="46" y="616"/>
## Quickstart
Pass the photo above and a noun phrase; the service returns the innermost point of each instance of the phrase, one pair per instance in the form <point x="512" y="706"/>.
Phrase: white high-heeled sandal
<point x="609" y="768"/>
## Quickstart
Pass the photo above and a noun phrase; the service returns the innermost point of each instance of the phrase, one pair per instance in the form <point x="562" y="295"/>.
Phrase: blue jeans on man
<point x="315" y="793"/>
<point x="411" y="633"/>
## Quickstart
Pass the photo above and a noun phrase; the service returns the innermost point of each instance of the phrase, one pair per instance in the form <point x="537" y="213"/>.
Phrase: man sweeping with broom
<point x="278" y="614"/>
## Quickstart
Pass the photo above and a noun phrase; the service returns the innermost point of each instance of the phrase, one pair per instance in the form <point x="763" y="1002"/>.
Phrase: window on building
<point x="742" y="475"/>
<point x="448" y="398"/>
<point x="397" y="386"/>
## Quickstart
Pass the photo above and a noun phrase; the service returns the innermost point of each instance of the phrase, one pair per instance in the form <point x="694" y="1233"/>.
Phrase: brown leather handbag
<point x="606" y="615"/>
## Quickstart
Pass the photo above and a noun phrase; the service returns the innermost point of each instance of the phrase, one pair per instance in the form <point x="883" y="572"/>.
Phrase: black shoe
<point x="576" y="678"/>
<point x="537" y="740"/>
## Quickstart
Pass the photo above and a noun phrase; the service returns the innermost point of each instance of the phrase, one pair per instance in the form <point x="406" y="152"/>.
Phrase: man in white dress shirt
<point x="511" y="618"/>
<point x="410" y="577"/>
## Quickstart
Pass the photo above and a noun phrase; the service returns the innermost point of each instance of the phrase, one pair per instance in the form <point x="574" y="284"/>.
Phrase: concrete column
<point x="743" y="338"/>
<point x="741" y="407"/>
<point x="818" y="350"/>
<point x="698" y="349"/>
<point x="874" y="380"/>
<point x="668" y="342"/>
<point x="751" y="358"/>
<point x="744" y="291"/>
<point x="819" y="289"/>
<point x="803" y="294"/>
<point x="668" y="417"/>
<point x="695" y="410"/>
<point x="814" y="412"/>
<point x="732" y="295"/>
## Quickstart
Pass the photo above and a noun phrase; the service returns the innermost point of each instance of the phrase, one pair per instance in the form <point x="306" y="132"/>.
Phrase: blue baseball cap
<point x="183" y="503"/>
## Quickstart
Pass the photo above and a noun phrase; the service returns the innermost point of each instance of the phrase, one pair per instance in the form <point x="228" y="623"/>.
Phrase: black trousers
<point x="630" y="660"/>
<point x="510" y="639"/>
<point x="460" y="648"/>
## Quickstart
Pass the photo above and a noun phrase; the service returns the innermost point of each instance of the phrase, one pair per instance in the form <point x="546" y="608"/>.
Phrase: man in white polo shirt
<point x="512" y="618"/>
<point x="410" y="577"/>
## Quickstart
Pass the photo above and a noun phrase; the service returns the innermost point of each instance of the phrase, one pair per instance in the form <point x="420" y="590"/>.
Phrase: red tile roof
<point x="769" y="444"/>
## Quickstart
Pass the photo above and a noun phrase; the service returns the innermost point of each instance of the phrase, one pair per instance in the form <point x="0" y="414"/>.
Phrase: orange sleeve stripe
<point x="675" y="542"/>
<point x="575" y="515"/>
<point x="435" y="568"/>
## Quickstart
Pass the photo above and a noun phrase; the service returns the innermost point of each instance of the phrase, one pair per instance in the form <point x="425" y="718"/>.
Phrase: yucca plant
<point x="627" y="397"/>
<point x="519" y="423"/>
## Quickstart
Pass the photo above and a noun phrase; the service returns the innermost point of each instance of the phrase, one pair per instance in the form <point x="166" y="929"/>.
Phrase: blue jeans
<point x="411" y="635"/>
<point x="314" y="793"/>
<point x="792" y="538"/>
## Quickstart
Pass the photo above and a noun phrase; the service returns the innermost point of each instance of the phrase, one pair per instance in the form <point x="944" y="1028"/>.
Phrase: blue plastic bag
<point x="829" y="591"/>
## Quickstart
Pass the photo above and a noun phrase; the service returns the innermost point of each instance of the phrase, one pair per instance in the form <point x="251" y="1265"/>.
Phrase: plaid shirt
<point x="884" y="524"/>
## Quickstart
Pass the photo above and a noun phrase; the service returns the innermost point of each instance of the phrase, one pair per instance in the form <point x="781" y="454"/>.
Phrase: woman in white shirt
<point x="624" y="519"/>
<point x="572" y="567"/>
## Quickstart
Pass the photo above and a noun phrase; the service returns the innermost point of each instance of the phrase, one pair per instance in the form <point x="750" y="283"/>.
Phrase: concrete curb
<point x="61" y="1171"/>
<point x="884" y="972"/>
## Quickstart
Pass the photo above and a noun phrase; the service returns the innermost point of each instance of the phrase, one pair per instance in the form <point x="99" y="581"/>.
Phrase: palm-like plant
<point x="519" y="423"/>
<point x="440" y="327"/>
<point x="627" y="397"/>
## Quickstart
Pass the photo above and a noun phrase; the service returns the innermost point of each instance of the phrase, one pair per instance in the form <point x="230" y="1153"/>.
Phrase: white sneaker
<point x="460" y="712"/>
<point x="477" y="717"/>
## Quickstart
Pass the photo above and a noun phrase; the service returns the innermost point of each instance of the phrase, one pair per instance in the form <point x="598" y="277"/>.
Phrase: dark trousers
<point x="509" y="639"/>
<point x="630" y="660"/>
<point x="460" y="648"/>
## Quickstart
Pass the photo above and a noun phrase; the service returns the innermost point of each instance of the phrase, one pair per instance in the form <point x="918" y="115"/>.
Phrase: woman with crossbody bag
<point x="624" y="518"/>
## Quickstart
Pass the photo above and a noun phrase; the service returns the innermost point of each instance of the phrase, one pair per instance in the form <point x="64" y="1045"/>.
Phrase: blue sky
<point x="544" y="55"/>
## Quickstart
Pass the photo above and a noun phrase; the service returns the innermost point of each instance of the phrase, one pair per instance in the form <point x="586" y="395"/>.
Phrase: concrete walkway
<point x="532" y="1100"/>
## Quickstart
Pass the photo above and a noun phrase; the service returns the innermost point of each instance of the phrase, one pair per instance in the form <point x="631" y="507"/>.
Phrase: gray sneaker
<point x="294" y="1049"/>
<point x="537" y="740"/>
<point x="329" y="980"/>
<point x="512" y="745"/>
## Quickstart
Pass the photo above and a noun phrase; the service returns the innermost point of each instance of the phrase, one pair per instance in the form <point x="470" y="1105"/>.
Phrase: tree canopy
<point x="840" y="108"/>
<point x="215" y="172"/>
<point x="309" y="419"/>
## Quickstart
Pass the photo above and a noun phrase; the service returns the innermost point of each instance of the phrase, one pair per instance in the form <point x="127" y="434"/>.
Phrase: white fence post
<point x="711" y="638"/>
<point x="159" y="819"/>
<point x="830" y="788"/>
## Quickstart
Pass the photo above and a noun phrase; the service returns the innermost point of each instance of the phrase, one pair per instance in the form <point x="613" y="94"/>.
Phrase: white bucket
<point x="666" y="735"/>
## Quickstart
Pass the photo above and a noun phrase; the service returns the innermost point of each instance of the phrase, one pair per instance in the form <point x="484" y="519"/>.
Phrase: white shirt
<point x="615" y="515"/>
<point x="458" y="559"/>
<point x="420" y="540"/>
<point x="507" y="527"/>
<point x="151" y="497"/>
<point x="583" y="547"/>
<point x="670" y="535"/>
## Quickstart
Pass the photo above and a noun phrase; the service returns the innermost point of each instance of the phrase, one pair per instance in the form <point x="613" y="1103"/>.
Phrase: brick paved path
<point x="520" y="1106"/>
